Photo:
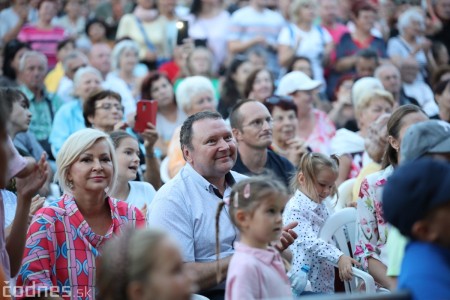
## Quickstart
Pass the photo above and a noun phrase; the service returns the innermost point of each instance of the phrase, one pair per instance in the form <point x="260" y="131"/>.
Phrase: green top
<point x="395" y="244"/>
<point x="43" y="112"/>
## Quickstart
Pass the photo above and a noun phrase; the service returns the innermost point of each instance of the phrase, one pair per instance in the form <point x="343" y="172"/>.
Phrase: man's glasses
<point x="109" y="106"/>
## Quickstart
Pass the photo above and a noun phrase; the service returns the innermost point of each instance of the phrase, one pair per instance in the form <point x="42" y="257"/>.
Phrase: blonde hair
<point x="310" y="165"/>
<point x="366" y="99"/>
<point x="297" y="5"/>
<point x="71" y="150"/>
<point x="127" y="258"/>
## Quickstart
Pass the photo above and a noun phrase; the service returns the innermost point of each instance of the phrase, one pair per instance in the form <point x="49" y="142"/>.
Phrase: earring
<point x="70" y="184"/>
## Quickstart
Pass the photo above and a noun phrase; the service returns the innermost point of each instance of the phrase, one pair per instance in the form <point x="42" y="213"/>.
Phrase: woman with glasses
<point x="103" y="111"/>
<point x="284" y="131"/>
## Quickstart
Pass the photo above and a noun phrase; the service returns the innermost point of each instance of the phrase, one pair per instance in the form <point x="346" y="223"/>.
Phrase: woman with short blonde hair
<point x="65" y="238"/>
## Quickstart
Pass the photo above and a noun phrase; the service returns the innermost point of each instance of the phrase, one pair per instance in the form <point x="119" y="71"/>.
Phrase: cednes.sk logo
<point x="42" y="291"/>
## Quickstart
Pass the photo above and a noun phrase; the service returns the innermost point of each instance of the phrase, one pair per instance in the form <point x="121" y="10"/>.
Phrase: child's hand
<point x="287" y="238"/>
<point x="345" y="267"/>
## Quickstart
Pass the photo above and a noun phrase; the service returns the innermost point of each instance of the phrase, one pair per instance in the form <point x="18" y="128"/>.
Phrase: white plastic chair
<point x="334" y="227"/>
<point x="164" y="170"/>
<point x="345" y="194"/>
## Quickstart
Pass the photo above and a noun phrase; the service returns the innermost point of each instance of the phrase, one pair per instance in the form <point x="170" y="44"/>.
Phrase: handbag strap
<point x="144" y="34"/>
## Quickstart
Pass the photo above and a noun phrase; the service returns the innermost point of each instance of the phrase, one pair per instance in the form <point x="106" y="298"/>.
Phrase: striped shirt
<point x="43" y="40"/>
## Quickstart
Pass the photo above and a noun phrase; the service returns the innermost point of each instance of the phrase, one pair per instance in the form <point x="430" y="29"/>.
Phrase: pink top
<point x="256" y="274"/>
<point x="43" y="40"/>
<point x="324" y="130"/>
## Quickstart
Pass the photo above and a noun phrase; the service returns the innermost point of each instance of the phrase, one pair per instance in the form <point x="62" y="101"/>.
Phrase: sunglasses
<point x="274" y="100"/>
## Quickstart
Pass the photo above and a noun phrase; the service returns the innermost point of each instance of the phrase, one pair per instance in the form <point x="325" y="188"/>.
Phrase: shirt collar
<point x="30" y="94"/>
<point x="229" y="180"/>
<point x="305" y="201"/>
<point x="267" y="256"/>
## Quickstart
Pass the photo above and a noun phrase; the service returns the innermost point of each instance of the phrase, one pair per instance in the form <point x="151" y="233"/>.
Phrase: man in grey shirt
<point x="186" y="205"/>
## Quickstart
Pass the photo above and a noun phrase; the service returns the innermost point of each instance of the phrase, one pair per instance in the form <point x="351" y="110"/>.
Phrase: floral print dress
<point x="372" y="230"/>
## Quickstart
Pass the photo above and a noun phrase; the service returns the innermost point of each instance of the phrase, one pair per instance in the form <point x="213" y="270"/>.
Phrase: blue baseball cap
<point x="413" y="190"/>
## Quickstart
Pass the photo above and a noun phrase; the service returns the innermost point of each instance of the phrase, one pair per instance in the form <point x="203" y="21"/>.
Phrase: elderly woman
<point x="103" y="111"/>
<point x="44" y="36"/>
<point x="157" y="86"/>
<point x="69" y="118"/>
<point x="260" y="85"/>
<point x="313" y="125"/>
<point x="372" y="231"/>
<point x="195" y="94"/>
<point x="65" y="238"/>
<point x="411" y="42"/>
<point x="303" y="38"/>
<point x="125" y="58"/>
<point x="284" y="115"/>
<point x="350" y="145"/>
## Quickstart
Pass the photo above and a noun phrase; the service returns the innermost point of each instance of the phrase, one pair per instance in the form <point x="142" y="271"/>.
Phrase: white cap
<point x="296" y="81"/>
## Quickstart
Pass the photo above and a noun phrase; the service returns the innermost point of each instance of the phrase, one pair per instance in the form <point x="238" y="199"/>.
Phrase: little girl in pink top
<point x="256" y="270"/>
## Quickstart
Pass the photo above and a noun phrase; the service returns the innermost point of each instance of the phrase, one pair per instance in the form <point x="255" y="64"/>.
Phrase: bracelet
<point x="149" y="154"/>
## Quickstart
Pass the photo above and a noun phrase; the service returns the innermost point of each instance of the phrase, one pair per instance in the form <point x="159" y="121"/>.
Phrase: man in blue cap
<point x="416" y="200"/>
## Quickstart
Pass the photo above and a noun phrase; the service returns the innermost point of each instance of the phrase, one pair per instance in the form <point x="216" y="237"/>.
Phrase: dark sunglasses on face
<point x="277" y="99"/>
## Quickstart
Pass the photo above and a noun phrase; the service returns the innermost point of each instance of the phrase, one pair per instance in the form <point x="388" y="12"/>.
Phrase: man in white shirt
<point x="186" y="206"/>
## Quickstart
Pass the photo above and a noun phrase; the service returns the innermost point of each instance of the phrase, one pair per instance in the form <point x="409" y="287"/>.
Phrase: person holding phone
<point x="103" y="111"/>
<point x="157" y="86"/>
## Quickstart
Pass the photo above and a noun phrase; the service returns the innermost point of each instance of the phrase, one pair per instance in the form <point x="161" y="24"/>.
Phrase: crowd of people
<point x="265" y="108"/>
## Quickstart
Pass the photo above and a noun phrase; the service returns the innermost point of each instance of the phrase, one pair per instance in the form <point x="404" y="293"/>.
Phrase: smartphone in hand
<point x="182" y="31"/>
<point x="145" y="113"/>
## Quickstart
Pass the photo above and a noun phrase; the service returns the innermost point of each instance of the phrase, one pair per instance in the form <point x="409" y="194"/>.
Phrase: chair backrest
<point x="345" y="194"/>
<point x="164" y="170"/>
<point x="342" y="227"/>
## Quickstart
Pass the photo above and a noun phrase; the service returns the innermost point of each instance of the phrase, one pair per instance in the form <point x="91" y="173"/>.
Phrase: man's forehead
<point x="253" y="110"/>
<point x="210" y="126"/>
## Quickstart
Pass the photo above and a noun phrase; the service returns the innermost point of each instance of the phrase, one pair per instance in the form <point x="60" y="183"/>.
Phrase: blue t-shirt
<point x="426" y="271"/>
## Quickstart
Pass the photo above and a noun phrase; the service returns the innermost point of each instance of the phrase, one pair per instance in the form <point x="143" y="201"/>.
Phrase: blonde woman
<point x="65" y="238"/>
<point x="350" y="145"/>
<point x="303" y="38"/>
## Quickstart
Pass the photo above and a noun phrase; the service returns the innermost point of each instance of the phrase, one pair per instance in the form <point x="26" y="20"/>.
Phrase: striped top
<point x="43" y="40"/>
<point x="61" y="248"/>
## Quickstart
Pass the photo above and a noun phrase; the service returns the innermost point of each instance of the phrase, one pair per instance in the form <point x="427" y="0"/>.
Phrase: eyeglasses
<point x="277" y="99"/>
<point x="109" y="106"/>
